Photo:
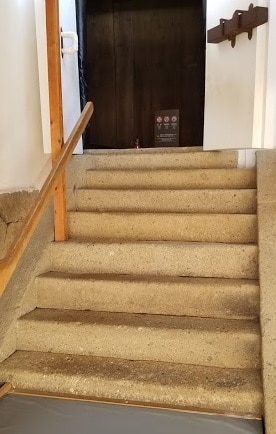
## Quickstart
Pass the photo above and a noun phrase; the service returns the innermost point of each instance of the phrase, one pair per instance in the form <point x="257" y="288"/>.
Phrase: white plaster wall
<point x="41" y="38"/>
<point x="22" y="159"/>
<point x="235" y="84"/>
<point x="270" y="108"/>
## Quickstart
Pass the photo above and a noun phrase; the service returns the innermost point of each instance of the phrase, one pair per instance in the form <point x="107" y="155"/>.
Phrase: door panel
<point x="123" y="42"/>
<point x="145" y="55"/>
<point x="101" y="73"/>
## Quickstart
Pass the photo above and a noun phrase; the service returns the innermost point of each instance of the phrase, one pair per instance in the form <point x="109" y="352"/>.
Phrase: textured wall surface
<point x="19" y="296"/>
<point x="266" y="166"/>
<point x="13" y="209"/>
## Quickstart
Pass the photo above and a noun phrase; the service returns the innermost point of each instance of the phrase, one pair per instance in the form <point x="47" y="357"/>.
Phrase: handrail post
<point x="56" y="116"/>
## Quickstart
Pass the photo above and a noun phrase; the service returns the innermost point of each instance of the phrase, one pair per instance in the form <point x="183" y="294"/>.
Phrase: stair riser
<point x="182" y="160"/>
<point x="173" y="179"/>
<point x="189" y="201"/>
<point x="157" y="259"/>
<point x="159" y="227"/>
<point x="194" y="347"/>
<point x="229" y="391"/>
<point x="196" y="299"/>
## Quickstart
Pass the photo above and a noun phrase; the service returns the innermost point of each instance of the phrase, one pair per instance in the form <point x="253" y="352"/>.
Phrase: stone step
<point x="187" y="201"/>
<point x="175" y="159"/>
<point x="167" y="258"/>
<point x="172" y="179"/>
<point x="174" y="339"/>
<point x="220" y="228"/>
<point x="216" y="298"/>
<point x="215" y="390"/>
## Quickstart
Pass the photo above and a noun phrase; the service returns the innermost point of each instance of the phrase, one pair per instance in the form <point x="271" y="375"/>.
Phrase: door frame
<point x="51" y="69"/>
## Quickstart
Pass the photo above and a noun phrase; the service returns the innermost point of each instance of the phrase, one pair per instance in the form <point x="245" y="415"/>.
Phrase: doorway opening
<point x="144" y="56"/>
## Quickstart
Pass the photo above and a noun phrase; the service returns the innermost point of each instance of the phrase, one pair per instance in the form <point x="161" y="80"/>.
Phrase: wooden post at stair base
<point x="55" y="100"/>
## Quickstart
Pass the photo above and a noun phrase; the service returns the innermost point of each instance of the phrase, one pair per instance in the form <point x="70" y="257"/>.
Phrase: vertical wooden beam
<point x="55" y="99"/>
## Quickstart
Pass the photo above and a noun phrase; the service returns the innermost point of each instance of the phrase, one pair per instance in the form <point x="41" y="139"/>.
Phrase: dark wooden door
<point x="143" y="56"/>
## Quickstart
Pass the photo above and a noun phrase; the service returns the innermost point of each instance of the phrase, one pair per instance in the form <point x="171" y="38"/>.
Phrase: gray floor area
<point x="27" y="415"/>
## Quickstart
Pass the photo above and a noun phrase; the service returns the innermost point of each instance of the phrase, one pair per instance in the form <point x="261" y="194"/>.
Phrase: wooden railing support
<point x="55" y="100"/>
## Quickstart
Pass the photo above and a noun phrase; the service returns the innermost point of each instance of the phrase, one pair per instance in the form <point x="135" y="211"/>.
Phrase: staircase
<point x="155" y="297"/>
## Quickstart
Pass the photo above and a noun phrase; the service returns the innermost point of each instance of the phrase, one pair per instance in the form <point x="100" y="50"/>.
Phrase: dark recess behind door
<point x="143" y="56"/>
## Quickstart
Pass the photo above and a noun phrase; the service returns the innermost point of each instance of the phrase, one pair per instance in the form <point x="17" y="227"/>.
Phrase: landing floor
<point x="28" y="415"/>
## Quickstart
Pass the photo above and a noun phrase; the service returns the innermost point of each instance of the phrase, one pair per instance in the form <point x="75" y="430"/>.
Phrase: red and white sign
<point x="159" y="120"/>
<point x="166" y="119"/>
<point x="174" y="119"/>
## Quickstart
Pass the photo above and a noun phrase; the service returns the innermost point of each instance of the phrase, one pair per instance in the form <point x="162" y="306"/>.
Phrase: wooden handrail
<point x="9" y="263"/>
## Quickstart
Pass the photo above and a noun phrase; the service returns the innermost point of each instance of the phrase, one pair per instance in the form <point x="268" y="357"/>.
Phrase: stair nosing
<point x="146" y="321"/>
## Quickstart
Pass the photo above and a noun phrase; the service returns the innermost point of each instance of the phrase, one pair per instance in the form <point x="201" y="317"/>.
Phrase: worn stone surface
<point x="197" y="341"/>
<point x="160" y="159"/>
<point x="213" y="298"/>
<point x="171" y="258"/>
<point x="3" y="233"/>
<point x="151" y="158"/>
<point x="218" y="278"/>
<point x="19" y="296"/>
<point x="147" y="151"/>
<point x="232" y="391"/>
<point x="220" y="228"/>
<point x="14" y="208"/>
<point x="76" y="176"/>
<point x="188" y="201"/>
<point x="266" y="167"/>
<point x="177" y="158"/>
<point x="192" y="179"/>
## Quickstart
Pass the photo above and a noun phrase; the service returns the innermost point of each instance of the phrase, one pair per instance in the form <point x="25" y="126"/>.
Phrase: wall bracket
<point x="243" y="21"/>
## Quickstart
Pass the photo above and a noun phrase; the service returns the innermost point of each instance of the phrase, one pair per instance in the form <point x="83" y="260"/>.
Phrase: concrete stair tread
<point x="164" y="338"/>
<point x="119" y="242"/>
<point x="142" y="321"/>
<point x="168" y="258"/>
<point x="149" y="151"/>
<point x="141" y="170"/>
<point x="162" y="159"/>
<point x="200" y="191"/>
<point x="232" y="228"/>
<point x="205" y="297"/>
<point x="218" y="201"/>
<point x="141" y="278"/>
<point x="165" y="214"/>
<point x="232" y="391"/>
<point x="172" y="178"/>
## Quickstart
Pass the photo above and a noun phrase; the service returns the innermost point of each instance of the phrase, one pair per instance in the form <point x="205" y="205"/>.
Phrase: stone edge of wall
<point x="76" y="176"/>
<point x="266" y="179"/>
<point x="14" y="208"/>
<point x="19" y="296"/>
